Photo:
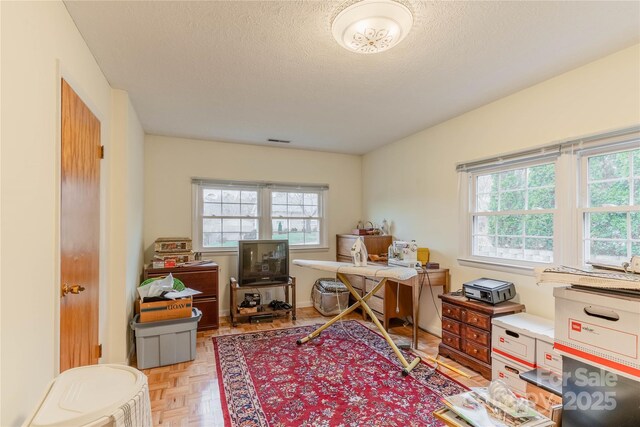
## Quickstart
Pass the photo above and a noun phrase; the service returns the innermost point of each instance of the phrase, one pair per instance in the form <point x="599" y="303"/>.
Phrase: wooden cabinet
<point x="203" y="278"/>
<point x="466" y="330"/>
<point x="376" y="245"/>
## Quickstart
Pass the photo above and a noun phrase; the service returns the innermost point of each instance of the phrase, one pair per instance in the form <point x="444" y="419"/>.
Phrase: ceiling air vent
<point x="283" y="141"/>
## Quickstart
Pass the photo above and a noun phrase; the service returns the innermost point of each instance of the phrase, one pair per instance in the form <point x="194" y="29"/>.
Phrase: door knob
<point x="73" y="289"/>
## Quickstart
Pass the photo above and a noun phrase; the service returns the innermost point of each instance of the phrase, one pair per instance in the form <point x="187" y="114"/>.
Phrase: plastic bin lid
<point x="83" y="395"/>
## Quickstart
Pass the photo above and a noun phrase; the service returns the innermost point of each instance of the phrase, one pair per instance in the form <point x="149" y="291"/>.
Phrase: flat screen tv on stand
<point x="262" y="262"/>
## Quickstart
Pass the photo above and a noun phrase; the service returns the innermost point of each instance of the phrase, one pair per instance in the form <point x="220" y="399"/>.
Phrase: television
<point x="263" y="262"/>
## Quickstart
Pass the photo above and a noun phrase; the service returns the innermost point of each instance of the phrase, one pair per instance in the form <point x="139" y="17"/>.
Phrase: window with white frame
<point x="571" y="203"/>
<point x="296" y="216"/>
<point x="610" y="191"/>
<point x="513" y="213"/>
<point x="226" y="212"/>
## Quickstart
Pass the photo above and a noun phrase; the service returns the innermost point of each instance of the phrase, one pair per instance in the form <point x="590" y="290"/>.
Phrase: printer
<point x="489" y="290"/>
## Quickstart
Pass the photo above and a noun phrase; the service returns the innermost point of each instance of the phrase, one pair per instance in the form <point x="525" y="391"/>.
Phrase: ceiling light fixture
<point x="371" y="26"/>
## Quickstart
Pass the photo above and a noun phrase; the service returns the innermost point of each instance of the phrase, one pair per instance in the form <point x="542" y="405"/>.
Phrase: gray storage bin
<point x="166" y="342"/>
<point x="329" y="296"/>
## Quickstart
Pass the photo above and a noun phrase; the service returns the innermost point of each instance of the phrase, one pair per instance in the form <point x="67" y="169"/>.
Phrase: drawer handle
<point x="475" y="350"/>
<point x="475" y="335"/>
<point x="448" y="311"/>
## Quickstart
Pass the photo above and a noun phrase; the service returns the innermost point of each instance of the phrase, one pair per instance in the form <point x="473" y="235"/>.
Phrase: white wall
<point x="421" y="198"/>
<point x="170" y="163"/>
<point x="40" y="43"/>
<point x="126" y="156"/>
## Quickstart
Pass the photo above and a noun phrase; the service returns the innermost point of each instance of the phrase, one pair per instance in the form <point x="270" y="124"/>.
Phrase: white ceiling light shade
<point x="372" y="26"/>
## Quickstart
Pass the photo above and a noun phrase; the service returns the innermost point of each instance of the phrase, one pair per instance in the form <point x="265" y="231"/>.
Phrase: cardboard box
<point x="163" y="310"/>
<point x="599" y="329"/>
<point x="543" y="399"/>
<point x="514" y="337"/>
<point x="546" y="357"/>
<point x="509" y="372"/>
<point x="172" y="244"/>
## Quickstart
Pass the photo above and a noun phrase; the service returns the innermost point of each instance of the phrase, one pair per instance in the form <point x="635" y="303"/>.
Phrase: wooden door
<point x="79" y="232"/>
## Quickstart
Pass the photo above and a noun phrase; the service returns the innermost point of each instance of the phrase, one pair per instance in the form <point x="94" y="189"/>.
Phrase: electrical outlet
<point x="267" y="297"/>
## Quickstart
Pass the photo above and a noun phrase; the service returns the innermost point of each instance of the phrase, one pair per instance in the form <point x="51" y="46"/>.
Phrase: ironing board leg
<point x="355" y="305"/>
<point x="407" y="367"/>
<point x="362" y="302"/>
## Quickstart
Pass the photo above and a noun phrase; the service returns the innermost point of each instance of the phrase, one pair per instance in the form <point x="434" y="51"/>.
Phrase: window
<point x="570" y="203"/>
<point x="225" y="212"/>
<point x="295" y="216"/>
<point x="513" y="215"/>
<point x="611" y="215"/>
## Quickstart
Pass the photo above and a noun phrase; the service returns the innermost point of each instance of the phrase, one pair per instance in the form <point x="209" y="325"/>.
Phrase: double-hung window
<point x="225" y="212"/>
<point x="513" y="213"/>
<point x="610" y="182"/>
<point x="571" y="203"/>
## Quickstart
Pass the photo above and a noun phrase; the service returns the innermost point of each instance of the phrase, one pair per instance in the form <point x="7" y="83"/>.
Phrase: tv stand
<point x="289" y="286"/>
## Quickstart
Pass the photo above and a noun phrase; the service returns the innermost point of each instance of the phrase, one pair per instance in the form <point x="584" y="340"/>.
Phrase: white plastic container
<point x="96" y="395"/>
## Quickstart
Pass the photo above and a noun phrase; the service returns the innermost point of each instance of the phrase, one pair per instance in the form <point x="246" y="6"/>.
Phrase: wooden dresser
<point x="466" y="330"/>
<point x="203" y="278"/>
<point x="376" y="245"/>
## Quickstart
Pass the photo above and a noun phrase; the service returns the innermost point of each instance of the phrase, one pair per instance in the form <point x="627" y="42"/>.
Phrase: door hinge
<point x="99" y="351"/>
<point x="102" y="151"/>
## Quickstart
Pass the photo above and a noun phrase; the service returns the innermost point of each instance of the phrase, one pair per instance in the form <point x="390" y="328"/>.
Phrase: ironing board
<point x="384" y="273"/>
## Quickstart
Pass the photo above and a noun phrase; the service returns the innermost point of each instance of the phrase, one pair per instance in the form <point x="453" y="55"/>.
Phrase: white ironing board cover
<point x="373" y="270"/>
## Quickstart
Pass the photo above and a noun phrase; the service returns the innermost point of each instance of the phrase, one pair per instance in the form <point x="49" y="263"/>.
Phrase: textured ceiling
<point x="241" y="71"/>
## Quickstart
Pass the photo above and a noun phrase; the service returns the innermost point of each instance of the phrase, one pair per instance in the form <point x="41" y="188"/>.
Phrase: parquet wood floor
<point x="187" y="394"/>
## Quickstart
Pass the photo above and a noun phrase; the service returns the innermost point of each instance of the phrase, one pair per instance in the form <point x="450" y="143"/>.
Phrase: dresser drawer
<point x="451" y="311"/>
<point x="203" y="281"/>
<point x="451" y="340"/>
<point x="209" y="308"/>
<point x="476" y="319"/>
<point x="376" y="304"/>
<point x="356" y="281"/>
<point x="372" y="283"/>
<point x="476" y="335"/>
<point x="477" y="351"/>
<point x="451" y="326"/>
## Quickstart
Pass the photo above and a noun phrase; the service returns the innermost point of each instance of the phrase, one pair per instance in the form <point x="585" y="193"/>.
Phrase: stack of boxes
<point x="171" y="251"/>
<point x="520" y="343"/>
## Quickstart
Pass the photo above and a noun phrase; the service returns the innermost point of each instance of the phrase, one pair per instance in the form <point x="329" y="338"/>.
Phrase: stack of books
<point x="476" y="408"/>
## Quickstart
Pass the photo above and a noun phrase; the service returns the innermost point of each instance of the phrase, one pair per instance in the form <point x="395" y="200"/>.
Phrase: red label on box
<point x="576" y="326"/>
<point x="501" y="375"/>
<point x="501" y="339"/>
<point x="547" y="356"/>
<point x="170" y="263"/>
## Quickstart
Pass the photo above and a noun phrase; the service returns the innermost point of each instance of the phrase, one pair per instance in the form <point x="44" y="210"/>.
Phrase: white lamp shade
<point x="372" y="26"/>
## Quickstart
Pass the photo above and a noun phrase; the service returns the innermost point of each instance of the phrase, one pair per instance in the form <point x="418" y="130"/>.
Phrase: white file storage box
<point x="546" y="357"/>
<point x="599" y="329"/>
<point x="166" y="342"/>
<point x="514" y="337"/>
<point x="509" y="372"/>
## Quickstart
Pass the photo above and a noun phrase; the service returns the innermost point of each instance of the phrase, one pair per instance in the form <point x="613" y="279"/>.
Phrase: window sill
<point x="526" y="269"/>
<point x="234" y="251"/>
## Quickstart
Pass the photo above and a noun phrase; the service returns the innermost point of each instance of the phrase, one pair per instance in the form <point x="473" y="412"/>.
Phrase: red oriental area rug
<point x="347" y="377"/>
